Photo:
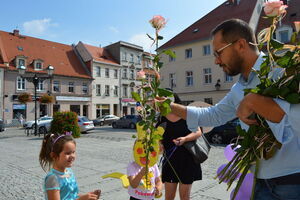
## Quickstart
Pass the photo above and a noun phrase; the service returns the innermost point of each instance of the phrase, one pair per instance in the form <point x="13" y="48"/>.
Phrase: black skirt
<point x="180" y="167"/>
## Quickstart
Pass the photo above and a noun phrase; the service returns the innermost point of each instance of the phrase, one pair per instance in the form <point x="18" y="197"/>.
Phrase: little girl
<point x="58" y="154"/>
<point x="139" y="188"/>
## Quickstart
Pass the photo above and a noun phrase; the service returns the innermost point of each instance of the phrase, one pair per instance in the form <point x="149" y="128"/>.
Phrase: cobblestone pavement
<point x="100" y="152"/>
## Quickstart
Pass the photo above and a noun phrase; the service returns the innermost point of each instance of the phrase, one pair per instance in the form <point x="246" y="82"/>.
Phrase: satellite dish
<point x="202" y="104"/>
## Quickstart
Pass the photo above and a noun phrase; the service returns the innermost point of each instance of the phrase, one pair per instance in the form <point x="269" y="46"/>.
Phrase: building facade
<point x="70" y="84"/>
<point x="130" y="58"/>
<point x="193" y="75"/>
<point x="106" y="79"/>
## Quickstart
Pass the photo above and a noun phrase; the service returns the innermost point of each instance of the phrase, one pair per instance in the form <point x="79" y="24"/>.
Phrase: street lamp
<point x="35" y="80"/>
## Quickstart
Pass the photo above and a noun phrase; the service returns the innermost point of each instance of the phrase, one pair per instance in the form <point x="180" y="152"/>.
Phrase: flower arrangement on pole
<point x="149" y="89"/>
<point x="258" y="142"/>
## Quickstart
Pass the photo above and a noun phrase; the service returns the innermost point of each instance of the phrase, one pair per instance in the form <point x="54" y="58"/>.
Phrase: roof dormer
<point x="38" y="64"/>
<point x="21" y="60"/>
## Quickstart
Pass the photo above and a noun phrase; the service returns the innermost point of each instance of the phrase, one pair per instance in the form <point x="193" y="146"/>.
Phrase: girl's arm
<point x="135" y="180"/>
<point x="190" y="137"/>
<point x="158" y="186"/>
<point x="53" y="194"/>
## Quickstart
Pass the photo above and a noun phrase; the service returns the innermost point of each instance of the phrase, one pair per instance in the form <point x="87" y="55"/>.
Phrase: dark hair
<point x="52" y="143"/>
<point x="234" y="29"/>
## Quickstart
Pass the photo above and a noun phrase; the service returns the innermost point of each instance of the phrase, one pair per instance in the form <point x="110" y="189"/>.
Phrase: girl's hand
<point x="157" y="192"/>
<point x="97" y="192"/>
<point x="179" y="141"/>
<point x="88" y="196"/>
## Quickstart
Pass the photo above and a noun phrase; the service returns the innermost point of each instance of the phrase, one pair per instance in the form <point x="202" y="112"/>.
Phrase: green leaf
<point x="151" y="38"/>
<point x="136" y="96"/>
<point x="293" y="98"/>
<point x="164" y="93"/>
<point x="284" y="91"/>
<point x="160" y="37"/>
<point x="270" y="91"/>
<point x="294" y="38"/>
<point x="276" y="44"/>
<point x="169" y="53"/>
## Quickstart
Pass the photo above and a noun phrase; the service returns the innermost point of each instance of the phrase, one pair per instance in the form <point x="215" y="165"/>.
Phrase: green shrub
<point x="65" y="122"/>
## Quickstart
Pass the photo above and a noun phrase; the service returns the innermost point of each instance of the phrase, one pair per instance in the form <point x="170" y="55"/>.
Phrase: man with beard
<point x="235" y="51"/>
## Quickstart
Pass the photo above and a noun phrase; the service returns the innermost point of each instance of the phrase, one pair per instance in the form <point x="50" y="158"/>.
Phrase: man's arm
<point x="179" y="110"/>
<point x="261" y="105"/>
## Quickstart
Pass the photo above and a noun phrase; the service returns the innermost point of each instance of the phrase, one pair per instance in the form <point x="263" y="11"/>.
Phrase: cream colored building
<point x="193" y="75"/>
<point x="106" y="84"/>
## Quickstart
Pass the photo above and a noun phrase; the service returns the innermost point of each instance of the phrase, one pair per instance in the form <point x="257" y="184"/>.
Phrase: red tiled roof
<point x="293" y="14"/>
<point x="206" y="24"/>
<point x="60" y="56"/>
<point x="100" y="54"/>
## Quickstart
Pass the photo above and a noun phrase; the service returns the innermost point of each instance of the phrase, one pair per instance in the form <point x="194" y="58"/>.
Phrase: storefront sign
<point x="19" y="106"/>
<point x="68" y="98"/>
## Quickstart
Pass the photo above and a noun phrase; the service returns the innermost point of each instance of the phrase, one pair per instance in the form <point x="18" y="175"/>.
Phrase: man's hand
<point x="245" y="110"/>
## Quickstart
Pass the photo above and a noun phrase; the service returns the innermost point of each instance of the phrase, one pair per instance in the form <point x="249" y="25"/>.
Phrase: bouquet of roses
<point x="258" y="142"/>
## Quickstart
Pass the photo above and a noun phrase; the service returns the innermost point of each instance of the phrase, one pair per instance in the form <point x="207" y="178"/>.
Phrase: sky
<point x="99" y="22"/>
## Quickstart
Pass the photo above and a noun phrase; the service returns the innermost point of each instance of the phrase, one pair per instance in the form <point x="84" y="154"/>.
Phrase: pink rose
<point x="141" y="74"/>
<point x="158" y="22"/>
<point x="274" y="8"/>
<point x="297" y="26"/>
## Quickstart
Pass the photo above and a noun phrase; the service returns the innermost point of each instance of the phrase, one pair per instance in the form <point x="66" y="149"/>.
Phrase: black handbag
<point x="199" y="149"/>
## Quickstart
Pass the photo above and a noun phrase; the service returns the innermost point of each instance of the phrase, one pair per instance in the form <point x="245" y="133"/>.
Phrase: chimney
<point x="16" y="32"/>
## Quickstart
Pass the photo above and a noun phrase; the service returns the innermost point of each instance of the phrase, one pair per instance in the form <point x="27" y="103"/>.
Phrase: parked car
<point x="105" y="120"/>
<point x="223" y="134"/>
<point x="30" y="124"/>
<point x="127" y="121"/>
<point x="1" y="125"/>
<point x="85" y="124"/>
<point x="44" y="127"/>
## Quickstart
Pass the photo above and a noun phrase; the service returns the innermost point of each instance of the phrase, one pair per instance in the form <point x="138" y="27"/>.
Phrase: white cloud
<point x="143" y="40"/>
<point x="113" y="29"/>
<point x="38" y="26"/>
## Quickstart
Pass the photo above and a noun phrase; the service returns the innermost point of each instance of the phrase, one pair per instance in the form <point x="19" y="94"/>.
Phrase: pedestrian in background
<point x="179" y="169"/>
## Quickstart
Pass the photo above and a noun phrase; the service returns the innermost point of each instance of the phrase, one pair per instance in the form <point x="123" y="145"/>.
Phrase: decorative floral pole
<point x="149" y="89"/>
<point x="258" y="142"/>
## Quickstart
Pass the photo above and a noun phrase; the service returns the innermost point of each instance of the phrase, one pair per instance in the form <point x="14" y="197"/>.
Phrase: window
<point x="115" y="73"/>
<point x="189" y="78"/>
<point x="207" y="75"/>
<point x="124" y="56"/>
<point x="228" y="78"/>
<point x="107" y="72"/>
<point x="20" y="83"/>
<point x="56" y="86"/>
<point x="124" y="73"/>
<point x="85" y="88"/>
<point x="98" y="71"/>
<point x="208" y="100"/>
<point x="21" y="62"/>
<point x="131" y="90"/>
<point x="40" y="86"/>
<point x="125" y="93"/>
<point x="106" y="90"/>
<point x="138" y="59"/>
<point x="131" y="58"/>
<point x="171" y="59"/>
<point x="172" y="82"/>
<point x="38" y="66"/>
<point x="188" y="53"/>
<point x="71" y="87"/>
<point x="98" y="90"/>
<point x="131" y="74"/>
<point x="116" y="88"/>
<point x="206" y="50"/>
<point x="284" y="36"/>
